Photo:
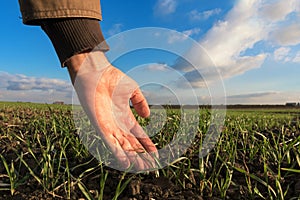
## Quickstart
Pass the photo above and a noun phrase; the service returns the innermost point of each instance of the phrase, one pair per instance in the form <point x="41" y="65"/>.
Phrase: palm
<point x="107" y="105"/>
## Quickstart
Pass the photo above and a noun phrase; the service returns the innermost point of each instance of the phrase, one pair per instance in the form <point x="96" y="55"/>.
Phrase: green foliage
<point x="257" y="156"/>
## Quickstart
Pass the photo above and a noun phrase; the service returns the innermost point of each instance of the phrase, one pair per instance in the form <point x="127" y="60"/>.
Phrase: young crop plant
<point x="256" y="156"/>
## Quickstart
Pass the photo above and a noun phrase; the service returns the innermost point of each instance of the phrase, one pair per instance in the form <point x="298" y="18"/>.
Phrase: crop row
<point x="256" y="156"/>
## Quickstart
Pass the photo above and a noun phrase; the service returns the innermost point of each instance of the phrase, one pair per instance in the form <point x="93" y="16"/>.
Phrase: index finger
<point x="139" y="103"/>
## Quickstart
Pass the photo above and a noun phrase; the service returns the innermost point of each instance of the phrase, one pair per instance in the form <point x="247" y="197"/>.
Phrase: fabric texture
<point x="33" y="11"/>
<point x="72" y="25"/>
<point x="74" y="35"/>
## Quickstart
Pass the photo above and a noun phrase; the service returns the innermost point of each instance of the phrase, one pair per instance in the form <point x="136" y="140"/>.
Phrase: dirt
<point x="140" y="187"/>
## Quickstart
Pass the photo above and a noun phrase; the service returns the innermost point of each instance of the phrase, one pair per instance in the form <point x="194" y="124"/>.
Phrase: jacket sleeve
<point x="33" y="11"/>
<point x="71" y="25"/>
<point x="71" y="36"/>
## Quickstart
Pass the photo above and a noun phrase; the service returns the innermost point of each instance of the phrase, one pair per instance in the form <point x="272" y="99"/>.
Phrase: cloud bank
<point x="27" y="88"/>
<point x="271" y="97"/>
<point x="228" y="42"/>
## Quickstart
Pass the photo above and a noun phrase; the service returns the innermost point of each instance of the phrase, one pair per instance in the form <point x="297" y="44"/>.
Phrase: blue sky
<point x="253" y="44"/>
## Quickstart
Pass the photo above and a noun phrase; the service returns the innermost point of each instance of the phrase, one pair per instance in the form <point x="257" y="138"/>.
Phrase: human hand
<point x="104" y="93"/>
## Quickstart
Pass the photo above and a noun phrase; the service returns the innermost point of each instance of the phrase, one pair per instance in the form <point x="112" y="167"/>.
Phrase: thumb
<point x="139" y="103"/>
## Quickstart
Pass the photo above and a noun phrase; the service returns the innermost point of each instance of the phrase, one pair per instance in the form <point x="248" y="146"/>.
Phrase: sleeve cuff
<point x="73" y="36"/>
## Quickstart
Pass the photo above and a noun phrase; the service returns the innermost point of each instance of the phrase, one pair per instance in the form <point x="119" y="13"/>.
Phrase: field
<point x="257" y="156"/>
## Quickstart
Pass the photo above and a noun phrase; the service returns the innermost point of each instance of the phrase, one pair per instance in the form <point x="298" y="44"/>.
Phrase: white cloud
<point x="175" y="37"/>
<point x="260" y="97"/>
<point x="115" y="29"/>
<point x="280" y="9"/>
<point x="269" y="97"/>
<point x="191" y="32"/>
<point x="165" y="7"/>
<point x="176" y="97"/>
<point x="18" y="87"/>
<point x="196" y="15"/>
<point x="227" y="40"/>
<point x="287" y="35"/>
<point x="158" y="67"/>
<point x="282" y="54"/>
<point x="297" y="58"/>
<point x="35" y="96"/>
<point x="251" y="95"/>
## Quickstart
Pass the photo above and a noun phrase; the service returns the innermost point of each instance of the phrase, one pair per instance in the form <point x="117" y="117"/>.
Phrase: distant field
<point x="257" y="156"/>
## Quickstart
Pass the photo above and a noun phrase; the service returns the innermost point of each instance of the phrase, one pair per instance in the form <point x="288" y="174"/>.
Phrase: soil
<point x="140" y="187"/>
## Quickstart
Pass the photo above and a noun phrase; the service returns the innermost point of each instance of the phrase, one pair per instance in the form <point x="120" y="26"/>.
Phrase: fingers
<point x="138" y="156"/>
<point x="151" y="154"/>
<point x="117" y="150"/>
<point x="115" y="120"/>
<point x="139" y="103"/>
<point x="143" y="138"/>
<point x="145" y="141"/>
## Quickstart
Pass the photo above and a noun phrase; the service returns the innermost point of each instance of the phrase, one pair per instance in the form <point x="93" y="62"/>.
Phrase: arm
<point x="73" y="27"/>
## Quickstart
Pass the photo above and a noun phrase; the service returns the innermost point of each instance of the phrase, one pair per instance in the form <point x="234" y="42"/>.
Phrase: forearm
<point x="94" y="62"/>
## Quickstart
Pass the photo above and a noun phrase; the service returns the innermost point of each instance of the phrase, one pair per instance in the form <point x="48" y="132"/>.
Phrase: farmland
<point x="257" y="156"/>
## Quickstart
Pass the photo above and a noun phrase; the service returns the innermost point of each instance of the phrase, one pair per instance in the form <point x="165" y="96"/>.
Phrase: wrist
<point x="86" y="62"/>
<point x="74" y="63"/>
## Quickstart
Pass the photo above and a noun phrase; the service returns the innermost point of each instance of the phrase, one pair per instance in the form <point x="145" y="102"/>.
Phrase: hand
<point x="104" y="93"/>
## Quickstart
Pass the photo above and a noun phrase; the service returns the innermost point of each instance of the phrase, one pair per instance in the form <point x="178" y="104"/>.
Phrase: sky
<point x="179" y="51"/>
